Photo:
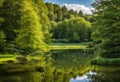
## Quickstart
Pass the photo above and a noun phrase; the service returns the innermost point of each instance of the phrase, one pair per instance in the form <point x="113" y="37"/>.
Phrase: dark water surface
<point x="67" y="66"/>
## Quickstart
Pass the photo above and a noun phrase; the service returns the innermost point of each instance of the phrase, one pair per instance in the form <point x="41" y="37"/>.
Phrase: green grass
<point x="67" y="47"/>
<point x="10" y="64"/>
<point x="106" y="61"/>
<point x="59" y="46"/>
<point x="6" y="57"/>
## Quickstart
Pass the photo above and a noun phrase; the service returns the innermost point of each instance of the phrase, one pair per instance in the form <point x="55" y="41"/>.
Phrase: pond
<point x="66" y="66"/>
<point x="84" y="78"/>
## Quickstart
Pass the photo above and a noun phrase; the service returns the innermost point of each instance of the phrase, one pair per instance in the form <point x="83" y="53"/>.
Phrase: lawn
<point x="59" y="46"/>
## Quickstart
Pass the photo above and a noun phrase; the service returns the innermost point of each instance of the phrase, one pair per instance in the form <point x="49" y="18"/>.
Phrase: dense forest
<point x="47" y="42"/>
<point x="106" y="27"/>
<point x="28" y="26"/>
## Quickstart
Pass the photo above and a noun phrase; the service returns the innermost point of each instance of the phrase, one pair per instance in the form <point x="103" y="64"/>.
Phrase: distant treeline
<point x="68" y="25"/>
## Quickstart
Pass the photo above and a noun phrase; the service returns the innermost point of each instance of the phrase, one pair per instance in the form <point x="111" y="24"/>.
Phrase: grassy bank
<point x="17" y="63"/>
<point x="7" y="57"/>
<point x="59" y="46"/>
<point x="106" y="61"/>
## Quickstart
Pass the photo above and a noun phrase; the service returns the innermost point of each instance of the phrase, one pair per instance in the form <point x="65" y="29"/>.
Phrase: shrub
<point x="106" y="61"/>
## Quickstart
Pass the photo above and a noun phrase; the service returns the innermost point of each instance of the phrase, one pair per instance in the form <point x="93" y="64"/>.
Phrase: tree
<point x="10" y="13"/>
<point x="80" y="13"/>
<point x="58" y="12"/>
<point x="70" y="14"/>
<point x="107" y="26"/>
<point x="51" y="14"/>
<point x="64" y="12"/>
<point x="82" y="28"/>
<point x="2" y="41"/>
<point x="42" y="10"/>
<point x="74" y="30"/>
<point x="30" y="36"/>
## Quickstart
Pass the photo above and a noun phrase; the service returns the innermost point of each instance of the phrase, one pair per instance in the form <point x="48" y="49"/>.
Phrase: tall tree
<point x="30" y="37"/>
<point x="64" y="12"/>
<point x="107" y="27"/>
<point x="74" y="30"/>
<point x="42" y="10"/>
<point x="51" y="14"/>
<point x="9" y="12"/>
<point x="70" y="14"/>
<point x="80" y="13"/>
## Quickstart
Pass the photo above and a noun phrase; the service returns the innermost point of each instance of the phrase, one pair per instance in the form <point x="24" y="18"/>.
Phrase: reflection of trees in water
<point x="74" y="59"/>
<point x="51" y="75"/>
<point x="56" y="76"/>
<point x="63" y="69"/>
<point x="106" y="74"/>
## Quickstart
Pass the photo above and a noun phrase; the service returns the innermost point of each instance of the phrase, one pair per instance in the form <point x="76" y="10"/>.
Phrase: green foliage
<point x="51" y="14"/>
<point x="9" y="12"/>
<point x="106" y="27"/>
<point x="58" y="14"/>
<point x="80" y="13"/>
<point x="42" y="10"/>
<point x="106" y="61"/>
<point x="74" y="30"/>
<point x="24" y="26"/>
<point x="74" y="59"/>
<point x="1" y="20"/>
<point x="1" y="1"/>
<point x="70" y="14"/>
<point x="30" y="37"/>
<point x="9" y="17"/>
<point x="64" y="12"/>
<point x="2" y="41"/>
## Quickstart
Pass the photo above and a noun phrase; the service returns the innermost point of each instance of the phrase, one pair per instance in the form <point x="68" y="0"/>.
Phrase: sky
<point x="84" y="5"/>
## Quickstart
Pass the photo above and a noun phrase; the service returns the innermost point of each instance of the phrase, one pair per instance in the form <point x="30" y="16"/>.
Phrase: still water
<point x="84" y="78"/>
<point x="65" y="66"/>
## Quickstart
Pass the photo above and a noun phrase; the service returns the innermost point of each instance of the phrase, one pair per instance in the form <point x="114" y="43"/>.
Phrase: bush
<point x="106" y="61"/>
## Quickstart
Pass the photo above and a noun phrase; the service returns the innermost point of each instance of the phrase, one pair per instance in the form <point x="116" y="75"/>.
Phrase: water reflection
<point x="85" y="78"/>
<point x="67" y="66"/>
<point x="81" y="79"/>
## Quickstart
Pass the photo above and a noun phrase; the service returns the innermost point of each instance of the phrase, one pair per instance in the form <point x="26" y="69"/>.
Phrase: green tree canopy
<point x="30" y="36"/>
<point x="10" y="13"/>
<point x="74" y="30"/>
<point x="2" y="41"/>
<point x="42" y="10"/>
<point x="107" y="27"/>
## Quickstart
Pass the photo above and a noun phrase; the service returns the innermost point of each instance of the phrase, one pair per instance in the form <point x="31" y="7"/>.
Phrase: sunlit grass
<point x="58" y="46"/>
<point x="67" y="47"/>
<point x="6" y="57"/>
